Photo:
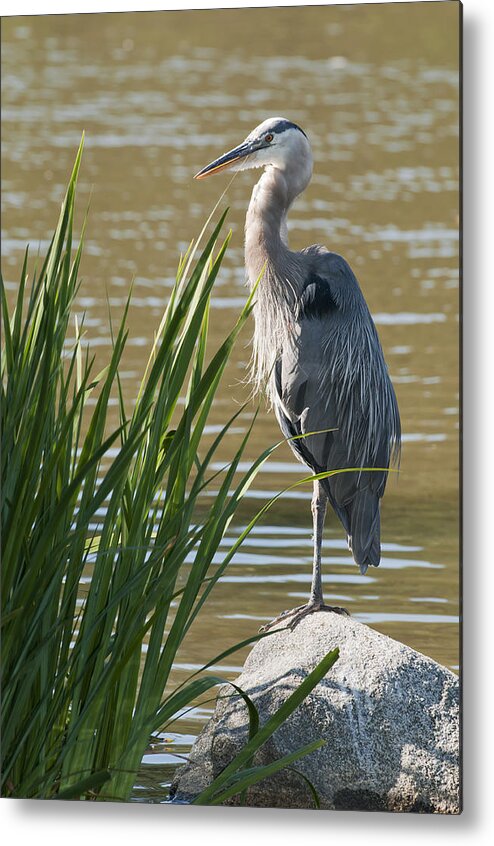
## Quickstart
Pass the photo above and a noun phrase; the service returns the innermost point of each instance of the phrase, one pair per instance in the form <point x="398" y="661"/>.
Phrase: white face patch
<point x="286" y="147"/>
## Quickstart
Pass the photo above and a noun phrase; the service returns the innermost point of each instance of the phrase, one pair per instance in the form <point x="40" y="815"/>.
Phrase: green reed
<point x="80" y="697"/>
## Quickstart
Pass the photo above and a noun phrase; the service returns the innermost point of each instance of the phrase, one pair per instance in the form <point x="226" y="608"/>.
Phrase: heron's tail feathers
<point x="365" y="530"/>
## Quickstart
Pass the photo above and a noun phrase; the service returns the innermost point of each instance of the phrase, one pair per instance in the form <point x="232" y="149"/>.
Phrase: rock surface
<point x="389" y="716"/>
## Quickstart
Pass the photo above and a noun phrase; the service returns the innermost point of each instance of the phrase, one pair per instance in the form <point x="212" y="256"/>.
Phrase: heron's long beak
<point x="228" y="159"/>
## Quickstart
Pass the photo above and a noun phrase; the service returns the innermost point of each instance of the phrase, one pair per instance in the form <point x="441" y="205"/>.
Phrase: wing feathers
<point x="333" y="376"/>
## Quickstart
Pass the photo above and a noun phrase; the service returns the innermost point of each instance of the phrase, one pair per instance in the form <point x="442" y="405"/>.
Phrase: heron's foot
<point x="296" y="614"/>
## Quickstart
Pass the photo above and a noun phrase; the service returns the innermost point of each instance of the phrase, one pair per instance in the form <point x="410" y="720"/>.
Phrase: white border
<point x="50" y="7"/>
<point x="57" y="823"/>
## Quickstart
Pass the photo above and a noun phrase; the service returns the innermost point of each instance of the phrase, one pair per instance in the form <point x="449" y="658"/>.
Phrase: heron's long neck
<point x="266" y="234"/>
<point x="268" y="258"/>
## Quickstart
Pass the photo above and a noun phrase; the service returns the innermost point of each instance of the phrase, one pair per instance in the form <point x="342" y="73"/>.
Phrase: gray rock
<point x="389" y="716"/>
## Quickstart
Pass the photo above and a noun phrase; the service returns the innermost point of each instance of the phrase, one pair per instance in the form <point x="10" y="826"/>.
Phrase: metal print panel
<point x="228" y="396"/>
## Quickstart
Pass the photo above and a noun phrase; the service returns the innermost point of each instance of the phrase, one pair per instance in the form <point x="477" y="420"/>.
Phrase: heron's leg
<point x="318" y="506"/>
<point x="315" y="603"/>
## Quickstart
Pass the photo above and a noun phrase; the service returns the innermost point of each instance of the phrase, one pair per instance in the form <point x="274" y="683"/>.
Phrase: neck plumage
<point x="269" y="260"/>
<point x="266" y="233"/>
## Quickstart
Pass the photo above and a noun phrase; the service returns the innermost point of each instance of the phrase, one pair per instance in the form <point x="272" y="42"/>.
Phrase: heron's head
<point x="277" y="142"/>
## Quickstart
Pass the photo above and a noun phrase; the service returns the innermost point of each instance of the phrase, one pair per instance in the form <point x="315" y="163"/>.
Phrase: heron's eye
<point x="268" y="138"/>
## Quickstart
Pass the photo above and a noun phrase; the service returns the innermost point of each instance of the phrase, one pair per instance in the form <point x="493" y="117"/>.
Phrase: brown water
<point x="161" y="94"/>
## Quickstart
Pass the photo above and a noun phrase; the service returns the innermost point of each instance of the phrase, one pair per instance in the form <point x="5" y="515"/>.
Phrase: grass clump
<point x="80" y="697"/>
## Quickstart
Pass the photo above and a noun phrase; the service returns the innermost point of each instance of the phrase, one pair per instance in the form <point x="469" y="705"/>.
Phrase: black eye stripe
<point x="283" y="125"/>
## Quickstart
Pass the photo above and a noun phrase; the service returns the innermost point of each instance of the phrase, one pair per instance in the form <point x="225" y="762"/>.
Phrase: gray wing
<point x="334" y="377"/>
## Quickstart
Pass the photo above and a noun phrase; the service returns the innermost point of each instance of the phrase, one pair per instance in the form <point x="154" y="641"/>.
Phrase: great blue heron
<point x="316" y="351"/>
